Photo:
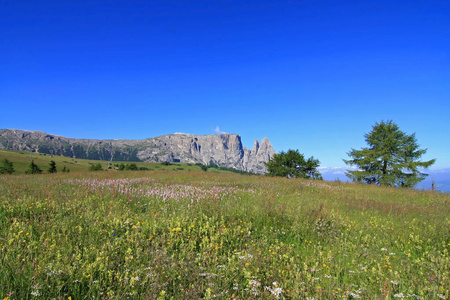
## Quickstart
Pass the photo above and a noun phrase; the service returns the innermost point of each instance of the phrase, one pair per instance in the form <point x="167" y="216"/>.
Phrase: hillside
<point x="21" y="161"/>
<point x="224" y="149"/>
<point x="199" y="235"/>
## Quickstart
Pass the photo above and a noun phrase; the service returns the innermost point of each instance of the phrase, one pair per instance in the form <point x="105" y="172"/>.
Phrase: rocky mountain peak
<point x="255" y="147"/>
<point x="223" y="149"/>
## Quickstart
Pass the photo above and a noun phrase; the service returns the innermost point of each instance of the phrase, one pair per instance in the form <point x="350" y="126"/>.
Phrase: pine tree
<point x="52" y="168"/>
<point x="293" y="164"/>
<point x="391" y="159"/>
<point x="33" y="169"/>
<point x="6" y="167"/>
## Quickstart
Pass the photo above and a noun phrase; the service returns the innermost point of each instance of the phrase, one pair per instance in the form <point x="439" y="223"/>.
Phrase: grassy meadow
<point x="22" y="160"/>
<point x="190" y="234"/>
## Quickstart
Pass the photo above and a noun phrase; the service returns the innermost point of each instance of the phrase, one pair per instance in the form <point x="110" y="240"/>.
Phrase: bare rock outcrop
<point x="221" y="149"/>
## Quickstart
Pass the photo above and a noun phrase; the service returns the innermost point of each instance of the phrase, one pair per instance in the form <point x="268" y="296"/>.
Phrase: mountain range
<point x="222" y="149"/>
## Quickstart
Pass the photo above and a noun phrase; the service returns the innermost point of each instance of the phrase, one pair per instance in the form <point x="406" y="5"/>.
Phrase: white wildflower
<point x="254" y="283"/>
<point x="276" y="291"/>
<point x="399" y="295"/>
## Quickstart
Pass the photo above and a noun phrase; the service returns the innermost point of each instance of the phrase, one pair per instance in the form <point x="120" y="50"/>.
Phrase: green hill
<point x="22" y="160"/>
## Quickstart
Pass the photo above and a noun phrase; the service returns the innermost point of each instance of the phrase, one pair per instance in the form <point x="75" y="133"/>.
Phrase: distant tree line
<point x="34" y="169"/>
<point x="130" y="167"/>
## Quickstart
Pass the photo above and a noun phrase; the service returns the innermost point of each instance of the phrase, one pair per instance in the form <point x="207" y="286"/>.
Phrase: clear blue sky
<point x="309" y="75"/>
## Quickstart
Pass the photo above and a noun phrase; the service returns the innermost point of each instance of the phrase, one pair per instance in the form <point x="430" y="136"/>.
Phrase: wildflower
<point x="35" y="293"/>
<point x="399" y="295"/>
<point x="254" y="283"/>
<point x="394" y="282"/>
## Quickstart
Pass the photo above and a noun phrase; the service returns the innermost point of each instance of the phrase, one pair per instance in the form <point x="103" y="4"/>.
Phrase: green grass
<point x="201" y="235"/>
<point x="22" y="160"/>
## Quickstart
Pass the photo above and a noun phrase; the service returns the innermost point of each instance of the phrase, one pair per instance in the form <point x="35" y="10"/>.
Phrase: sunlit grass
<point x="198" y="235"/>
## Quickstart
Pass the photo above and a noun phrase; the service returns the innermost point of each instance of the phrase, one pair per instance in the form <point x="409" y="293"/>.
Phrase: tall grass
<point x="197" y="235"/>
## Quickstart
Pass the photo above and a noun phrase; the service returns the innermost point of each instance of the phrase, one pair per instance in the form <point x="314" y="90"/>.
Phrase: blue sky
<point x="309" y="75"/>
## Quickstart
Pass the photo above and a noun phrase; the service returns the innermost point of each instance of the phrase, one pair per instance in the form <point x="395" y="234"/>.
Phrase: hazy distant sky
<point x="309" y="75"/>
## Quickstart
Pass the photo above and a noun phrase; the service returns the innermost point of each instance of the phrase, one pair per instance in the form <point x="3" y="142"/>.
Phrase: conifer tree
<point x="391" y="159"/>
<point x="293" y="164"/>
<point x="52" y="168"/>
<point x="33" y="169"/>
<point x="6" y="167"/>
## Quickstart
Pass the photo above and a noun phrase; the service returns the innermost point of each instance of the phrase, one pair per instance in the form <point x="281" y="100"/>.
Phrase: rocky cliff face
<point x="222" y="149"/>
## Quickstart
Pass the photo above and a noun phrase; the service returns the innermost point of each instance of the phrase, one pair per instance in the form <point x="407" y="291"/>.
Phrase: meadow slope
<point x="201" y="235"/>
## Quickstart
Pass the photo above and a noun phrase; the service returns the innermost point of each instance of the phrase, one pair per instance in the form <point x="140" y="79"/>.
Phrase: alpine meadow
<point x="189" y="234"/>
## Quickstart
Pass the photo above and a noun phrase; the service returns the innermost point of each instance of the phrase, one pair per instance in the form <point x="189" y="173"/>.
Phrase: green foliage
<point x="392" y="158"/>
<point x="166" y="163"/>
<point x="95" y="167"/>
<point x="52" y="168"/>
<point x="65" y="170"/>
<point x="33" y="169"/>
<point x="6" y="167"/>
<point x="131" y="167"/>
<point x="293" y="164"/>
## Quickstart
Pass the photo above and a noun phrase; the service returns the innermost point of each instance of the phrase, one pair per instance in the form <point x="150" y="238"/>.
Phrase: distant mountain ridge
<point x="222" y="149"/>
